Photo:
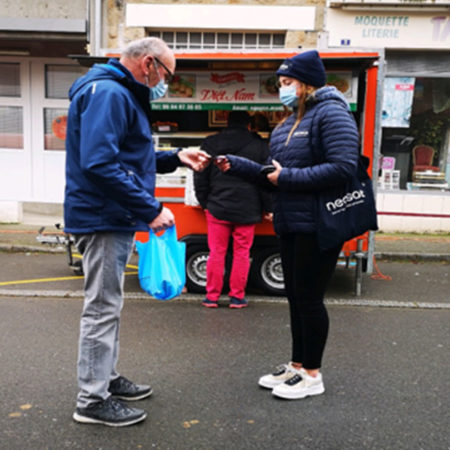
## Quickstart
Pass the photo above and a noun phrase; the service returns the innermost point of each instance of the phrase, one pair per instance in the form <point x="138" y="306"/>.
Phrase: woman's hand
<point x="273" y="176"/>
<point x="222" y="163"/>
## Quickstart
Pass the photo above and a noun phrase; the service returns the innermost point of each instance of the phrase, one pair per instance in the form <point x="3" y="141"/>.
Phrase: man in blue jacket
<point x="111" y="167"/>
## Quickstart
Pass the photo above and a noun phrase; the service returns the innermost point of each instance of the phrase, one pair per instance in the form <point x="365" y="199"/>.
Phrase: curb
<point x="422" y="257"/>
<point x="197" y="298"/>
<point x="18" y="248"/>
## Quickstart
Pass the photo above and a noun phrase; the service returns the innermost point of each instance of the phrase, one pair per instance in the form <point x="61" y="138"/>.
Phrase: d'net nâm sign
<point x="199" y="91"/>
<point x="237" y="90"/>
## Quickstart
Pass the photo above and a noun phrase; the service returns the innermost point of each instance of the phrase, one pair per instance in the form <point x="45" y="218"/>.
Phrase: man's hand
<point x="165" y="220"/>
<point x="273" y="176"/>
<point x="195" y="159"/>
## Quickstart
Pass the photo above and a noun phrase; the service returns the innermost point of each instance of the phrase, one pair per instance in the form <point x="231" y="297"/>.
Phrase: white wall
<point x="413" y="211"/>
<point x="11" y="212"/>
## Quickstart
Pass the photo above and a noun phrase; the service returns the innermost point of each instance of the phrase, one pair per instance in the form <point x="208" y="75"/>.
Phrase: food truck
<point x="208" y="85"/>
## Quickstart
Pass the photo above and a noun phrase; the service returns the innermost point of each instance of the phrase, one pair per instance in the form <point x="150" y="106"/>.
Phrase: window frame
<point x="170" y="36"/>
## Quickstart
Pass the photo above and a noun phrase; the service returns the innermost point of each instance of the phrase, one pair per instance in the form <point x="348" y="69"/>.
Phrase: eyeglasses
<point x="169" y="74"/>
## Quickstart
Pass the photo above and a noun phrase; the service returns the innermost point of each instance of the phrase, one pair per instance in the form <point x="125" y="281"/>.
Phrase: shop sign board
<point x="203" y="16"/>
<point x="236" y="90"/>
<point x="396" y="29"/>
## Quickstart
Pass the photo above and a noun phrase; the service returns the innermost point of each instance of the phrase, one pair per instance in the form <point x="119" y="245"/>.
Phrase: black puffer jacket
<point x="228" y="197"/>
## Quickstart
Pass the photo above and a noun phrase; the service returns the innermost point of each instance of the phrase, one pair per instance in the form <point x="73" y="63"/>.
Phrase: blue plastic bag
<point x="162" y="265"/>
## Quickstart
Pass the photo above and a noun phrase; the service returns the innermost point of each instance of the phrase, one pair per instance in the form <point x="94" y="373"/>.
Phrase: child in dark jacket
<point x="232" y="206"/>
<point x="321" y="123"/>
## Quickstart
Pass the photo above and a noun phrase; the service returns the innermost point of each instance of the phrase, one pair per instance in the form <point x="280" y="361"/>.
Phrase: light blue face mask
<point x="158" y="91"/>
<point x="288" y="96"/>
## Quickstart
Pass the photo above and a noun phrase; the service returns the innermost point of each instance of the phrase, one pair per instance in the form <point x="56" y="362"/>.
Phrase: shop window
<point x="11" y="127"/>
<point x="55" y="125"/>
<point x="417" y="117"/>
<point x="59" y="79"/>
<point x="208" y="40"/>
<point x="9" y="80"/>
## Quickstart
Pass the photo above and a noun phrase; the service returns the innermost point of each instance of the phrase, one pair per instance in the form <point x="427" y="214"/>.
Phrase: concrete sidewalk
<point x="420" y="247"/>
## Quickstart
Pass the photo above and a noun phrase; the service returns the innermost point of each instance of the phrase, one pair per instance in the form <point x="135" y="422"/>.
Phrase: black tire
<point x="196" y="257"/>
<point x="267" y="273"/>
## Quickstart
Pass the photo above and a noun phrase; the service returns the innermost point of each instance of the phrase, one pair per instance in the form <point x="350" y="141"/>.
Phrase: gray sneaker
<point x="111" y="412"/>
<point x="125" y="389"/>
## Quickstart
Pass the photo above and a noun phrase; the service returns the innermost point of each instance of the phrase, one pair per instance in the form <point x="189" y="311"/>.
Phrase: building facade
<point x="36" y="38"/>
<point x="415" y="124"/>
<point x="45" y="46"/>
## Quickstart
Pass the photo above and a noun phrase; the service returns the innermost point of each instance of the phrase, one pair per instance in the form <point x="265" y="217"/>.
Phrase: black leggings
<point x="306" y="274"/>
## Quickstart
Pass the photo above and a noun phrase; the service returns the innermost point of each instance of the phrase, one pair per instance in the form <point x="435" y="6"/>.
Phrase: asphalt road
<point x="386" y="373"/>
<point x="386" y="369"/>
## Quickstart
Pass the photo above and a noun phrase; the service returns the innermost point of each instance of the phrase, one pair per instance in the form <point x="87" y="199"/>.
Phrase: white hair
<point x="146" y="46"/>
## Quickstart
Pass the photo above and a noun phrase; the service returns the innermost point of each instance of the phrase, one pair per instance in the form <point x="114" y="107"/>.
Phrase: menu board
<point x="236" y="90"/>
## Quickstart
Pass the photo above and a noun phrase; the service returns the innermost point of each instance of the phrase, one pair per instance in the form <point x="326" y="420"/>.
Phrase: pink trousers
<point x="219" y="232"/>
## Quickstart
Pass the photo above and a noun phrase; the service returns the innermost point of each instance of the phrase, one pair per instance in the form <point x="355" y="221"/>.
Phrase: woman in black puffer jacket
<point x="316" y="148"/>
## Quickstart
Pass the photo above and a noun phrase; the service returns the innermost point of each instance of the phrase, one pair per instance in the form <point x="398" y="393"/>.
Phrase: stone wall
<point x="43" y="9"/>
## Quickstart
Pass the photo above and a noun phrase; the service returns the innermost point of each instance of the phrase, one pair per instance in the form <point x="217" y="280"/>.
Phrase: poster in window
<point x="268" y="86"/>
<point x="397" y="102"/>
<point x="182" y="86"/>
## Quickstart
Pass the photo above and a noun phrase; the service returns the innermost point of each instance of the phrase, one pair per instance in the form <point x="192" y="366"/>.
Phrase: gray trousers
<point x="105" y="256"/>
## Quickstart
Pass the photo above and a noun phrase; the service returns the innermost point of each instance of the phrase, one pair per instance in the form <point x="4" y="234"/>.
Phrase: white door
<point x="32" y="128"/>
<point x="15" y="136"/>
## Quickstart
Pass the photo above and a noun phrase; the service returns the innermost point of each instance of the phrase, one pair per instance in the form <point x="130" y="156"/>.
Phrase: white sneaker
<point x="300" y="385"/>
<point x="282" y="373"/>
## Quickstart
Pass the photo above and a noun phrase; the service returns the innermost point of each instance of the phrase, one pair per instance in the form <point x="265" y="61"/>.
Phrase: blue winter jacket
<point x="111" y="163"/>
<point x="321" y="153"/>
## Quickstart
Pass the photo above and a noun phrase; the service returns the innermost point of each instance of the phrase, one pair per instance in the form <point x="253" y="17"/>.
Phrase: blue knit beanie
<point x="306" y="67"/>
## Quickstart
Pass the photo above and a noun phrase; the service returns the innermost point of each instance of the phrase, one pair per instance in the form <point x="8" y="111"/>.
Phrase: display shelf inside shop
<point x="428" y="176"/>
<point x="418" y="186"/>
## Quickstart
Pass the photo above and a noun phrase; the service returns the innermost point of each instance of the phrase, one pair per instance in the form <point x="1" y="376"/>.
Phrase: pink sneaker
<point x="210" y="303"/>
<point x="238" y="303"/>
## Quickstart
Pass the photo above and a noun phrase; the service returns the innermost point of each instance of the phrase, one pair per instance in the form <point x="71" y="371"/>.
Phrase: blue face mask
<point x="288" y="96"/>
<point x="158" y="91"/>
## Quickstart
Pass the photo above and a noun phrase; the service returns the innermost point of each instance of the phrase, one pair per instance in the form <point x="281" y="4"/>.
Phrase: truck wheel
<point x="196" y="257"/>
<point x="267" y="273"/>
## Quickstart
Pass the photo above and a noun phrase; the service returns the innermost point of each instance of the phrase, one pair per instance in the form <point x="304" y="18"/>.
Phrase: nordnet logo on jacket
<point x="350" y="199"/>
